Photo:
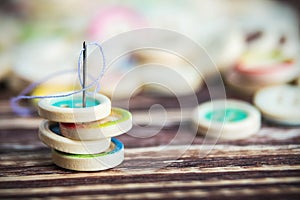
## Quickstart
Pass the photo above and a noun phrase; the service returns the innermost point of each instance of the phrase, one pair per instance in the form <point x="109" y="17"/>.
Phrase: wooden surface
<point x="265" y="166"/>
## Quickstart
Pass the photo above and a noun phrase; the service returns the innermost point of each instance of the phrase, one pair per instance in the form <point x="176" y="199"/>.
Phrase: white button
<point x="267" y="68"/>
<point x="50" y="89"/>
<point x="53" y="54"/>
<point x="224" y="49"/>
<point x="241" y="85"/>
<point x="50" y="135"/>
<point x="280" y="104"/>
<point x="227" y="119"/>
<point x="187" y="79"/>
<point x="69" y="109"/>
<point x="117" y="123"/>
<point x="94" y="162"/>
<point x="119" y="84"/>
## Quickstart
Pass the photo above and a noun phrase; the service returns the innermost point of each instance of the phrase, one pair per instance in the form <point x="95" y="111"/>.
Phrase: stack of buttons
<point x="82" y="138"/>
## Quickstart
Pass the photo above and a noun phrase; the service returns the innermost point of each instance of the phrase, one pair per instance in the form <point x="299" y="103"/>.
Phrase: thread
<point x="25" y="111"/>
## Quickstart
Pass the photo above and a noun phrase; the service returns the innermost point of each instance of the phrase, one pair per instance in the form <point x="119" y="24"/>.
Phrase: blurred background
<point x="41" y="37"/>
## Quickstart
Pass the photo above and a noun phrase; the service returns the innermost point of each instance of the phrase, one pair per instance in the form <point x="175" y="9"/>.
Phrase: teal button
<point x="227" y="115"/>
<point x="76" y="103"/>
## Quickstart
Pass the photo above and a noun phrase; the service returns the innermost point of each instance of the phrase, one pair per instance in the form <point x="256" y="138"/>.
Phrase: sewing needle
<point x="84" y="75"/>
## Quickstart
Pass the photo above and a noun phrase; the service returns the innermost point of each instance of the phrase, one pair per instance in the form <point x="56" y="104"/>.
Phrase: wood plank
<point x="220" y="184"/>
<point x="170" y="192"/>
<point x="222" y="158"/>
<point x="264" y="166"/>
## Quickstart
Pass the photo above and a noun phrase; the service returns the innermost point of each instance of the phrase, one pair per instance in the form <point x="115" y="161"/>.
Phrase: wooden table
<point x="265" y="166"/>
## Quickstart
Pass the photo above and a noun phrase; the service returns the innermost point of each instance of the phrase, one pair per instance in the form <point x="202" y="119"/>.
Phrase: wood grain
<point x="265" y="166"/>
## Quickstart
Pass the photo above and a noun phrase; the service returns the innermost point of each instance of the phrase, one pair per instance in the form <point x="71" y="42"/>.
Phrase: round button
<point x="123" y="17"/>
<point x="227" y="119"/>
<point x="280" y="104"/>
<point x="93" y="162"/>
<point x="50" y="135"/>
<point x="187" y="79"/>
<point x="69" y="109"/>
<point x="241" y="85"/>
<point x="117" y="123"/>
<point x="49" y="89"/>
<point x="267" y="68"/>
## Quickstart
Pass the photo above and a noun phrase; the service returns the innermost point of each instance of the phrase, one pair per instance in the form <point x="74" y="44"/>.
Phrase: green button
<point x="76" y="103"/>
<point x="227" y="115"/>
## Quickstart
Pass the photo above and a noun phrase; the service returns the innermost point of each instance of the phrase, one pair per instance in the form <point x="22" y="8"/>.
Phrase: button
<point x="127" y="19"/>
<point x="241" y="85"/>
<point x="93" y="162"/>
<point x="61" y="58"/>
<point x="69" y="109"/>
<point x="49" y="134"/>
<point x="224" y="49"/>
<point x="227" y="119"/>
<point x="188" y="80"/>
<point x="267" y="68"/>
<point x="117" y="123"/>
<point x="121" y="82"/>
<point x="279" y="104"/>
<point x="50" y="89"/>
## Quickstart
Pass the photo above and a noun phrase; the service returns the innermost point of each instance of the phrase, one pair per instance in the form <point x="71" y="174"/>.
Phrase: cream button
<point x="227" y="119"/>
<point x="241" y="85"/>
<point x="93" y="162"/>
<point x="117" y="123"/>
<point x="49" y="134"/>
<point x="69" y="109"/>
<point x="50" y="89"/>
<point x="267" y="68"/>
<point x="280" y="104"/>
